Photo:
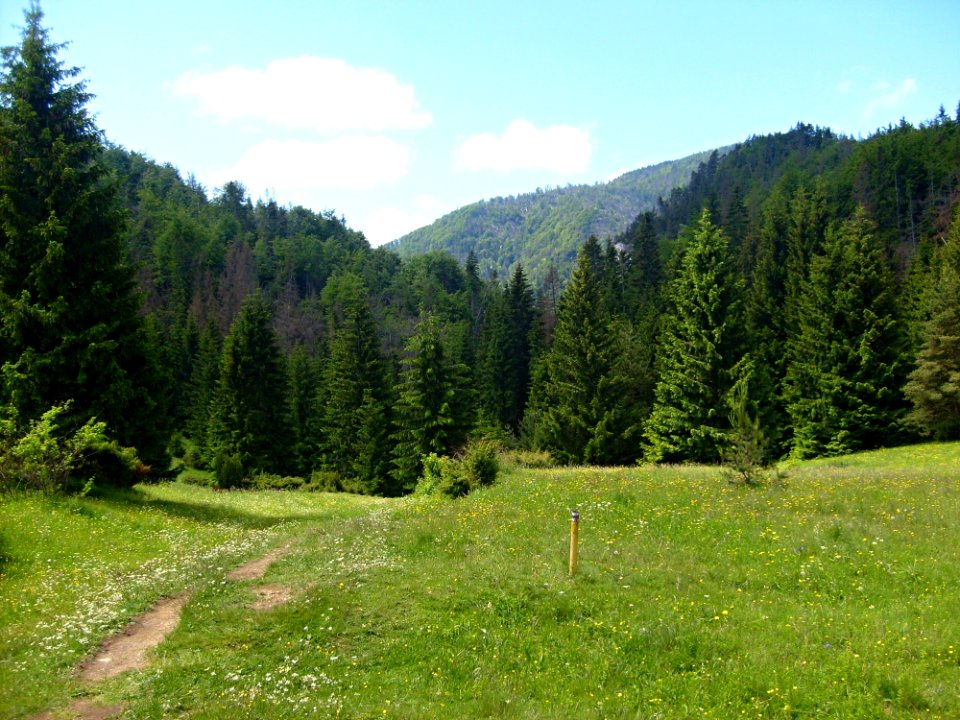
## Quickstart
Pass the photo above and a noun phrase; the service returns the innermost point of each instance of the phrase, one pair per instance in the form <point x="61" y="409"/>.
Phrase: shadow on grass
<point x="203" y="512"/>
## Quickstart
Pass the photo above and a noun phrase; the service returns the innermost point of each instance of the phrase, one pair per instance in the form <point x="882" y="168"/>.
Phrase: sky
<point x="392" y="113"/>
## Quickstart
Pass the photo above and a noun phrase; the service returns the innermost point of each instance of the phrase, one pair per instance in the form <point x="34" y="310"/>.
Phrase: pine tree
<point x="503" y="381"/>
<point x="644" y="267"/>
<point x="302" y="378"/>
<point x="843" y="386"/>
<point x="699" y="348"/>
<point x="70" y="328"/>
<point x="354" y="418"/>
<point x="493" y="395"/>
<point x="201" y="389"/>
<point x="434" y="404"/>
<point x="765" y="326"/>
<point x="580" y="406"/>
<point x="520" y="305"/>
<point x="250" y="414"/>
<point x="934" y="383"/>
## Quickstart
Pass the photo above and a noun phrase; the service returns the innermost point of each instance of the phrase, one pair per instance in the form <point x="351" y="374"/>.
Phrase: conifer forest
<point x="798" y="295"/>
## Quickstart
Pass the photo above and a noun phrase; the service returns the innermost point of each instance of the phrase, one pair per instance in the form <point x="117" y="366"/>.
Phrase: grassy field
<point x="835" y="593"/>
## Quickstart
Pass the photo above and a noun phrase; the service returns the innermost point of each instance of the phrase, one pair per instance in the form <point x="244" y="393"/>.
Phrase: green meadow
<point x="831" y="592"/>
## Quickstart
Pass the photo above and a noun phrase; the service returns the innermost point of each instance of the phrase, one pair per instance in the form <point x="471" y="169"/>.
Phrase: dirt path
<point x="255" y="569"/>
<point x="128" y="650"/>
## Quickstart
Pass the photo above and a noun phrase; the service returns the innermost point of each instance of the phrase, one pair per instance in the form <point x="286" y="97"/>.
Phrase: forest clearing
<point x="829" y="592"/>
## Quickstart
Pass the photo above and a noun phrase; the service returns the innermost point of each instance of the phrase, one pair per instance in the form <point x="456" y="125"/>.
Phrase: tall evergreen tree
<point x="434" y="404"/>
<point x="765" y="327"/>
<point x="250" y="415"/>
<point x="698" y="350"/>
<point x="503" y="381"/>
<point x="302" y="379"/>
<point x="201" y="388"/>
<point x="843" y="386"/>
<point x="644" y="267"/>
<point x="355" y="424"/>
<point x="520" y="305"/>
<point x="934" y="383"/>
<point x="70" y="327"/>
<point x="580" y="406"/>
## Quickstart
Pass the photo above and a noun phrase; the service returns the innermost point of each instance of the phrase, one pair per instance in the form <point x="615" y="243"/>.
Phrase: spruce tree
<point x="765" y="326"/>
<point x="843" y="386"/>
<point x="644" y="267"/>
<point x="520" y="305"/>
<point x="434" y="405"/>
<point x="302" y="380"/>
<point x="250" y="416"/>
<point x="505" y="353"/>
<point x="581" y="407"/>
<point x="71" y="327"/>
<point x="698" y="349"/>
<point x="354" y="425"/>
<point x="934" y="383"/>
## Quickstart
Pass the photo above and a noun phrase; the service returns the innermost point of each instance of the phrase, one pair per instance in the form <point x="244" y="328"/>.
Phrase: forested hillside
<point x="798" y="296"/>
<point x="546" y="228"/>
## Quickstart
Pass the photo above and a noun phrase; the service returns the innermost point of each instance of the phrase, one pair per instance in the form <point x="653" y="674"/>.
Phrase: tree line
<point x="800" y="289"/>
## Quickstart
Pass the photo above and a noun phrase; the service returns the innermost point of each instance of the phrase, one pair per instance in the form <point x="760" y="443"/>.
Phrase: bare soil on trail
<point x="255" y="569"/>
<point x="128" y="650"/>
<point x="85" y="709"/>
<point x="271" y="596"/>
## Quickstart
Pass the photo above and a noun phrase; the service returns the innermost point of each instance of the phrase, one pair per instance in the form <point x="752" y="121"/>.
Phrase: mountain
<point x="547" y="226"/>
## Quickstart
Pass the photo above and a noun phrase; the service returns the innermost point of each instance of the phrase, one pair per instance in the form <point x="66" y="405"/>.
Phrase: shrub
<point x="456" y="477"/>
<point x="228" y="471"/>
<point x="269" y="481"/>
<point x="432" y="475"/>
<point x="324" y="481"/>
<point x="202" y="478"/>
<point x="45" y="458"/>
<point x="534" y="459"/>
<point x="481" y="463"/>
<point x="106" y="463"/>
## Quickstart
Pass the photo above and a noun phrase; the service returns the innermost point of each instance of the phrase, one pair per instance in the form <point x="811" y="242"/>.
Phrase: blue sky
<point x="393" y="113"/>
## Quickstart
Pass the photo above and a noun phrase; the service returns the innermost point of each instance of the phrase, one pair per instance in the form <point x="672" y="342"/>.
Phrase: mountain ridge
<point x="546" y="227"/>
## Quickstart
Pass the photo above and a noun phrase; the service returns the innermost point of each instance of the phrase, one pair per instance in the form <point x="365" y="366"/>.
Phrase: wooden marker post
<point x="574" y="540"/>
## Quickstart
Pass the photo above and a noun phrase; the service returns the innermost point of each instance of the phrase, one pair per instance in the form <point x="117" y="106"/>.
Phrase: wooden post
<point x="574" y="541"/>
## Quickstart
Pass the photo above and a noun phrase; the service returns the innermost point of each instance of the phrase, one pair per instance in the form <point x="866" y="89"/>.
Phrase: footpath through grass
<point x="834" y="594"/>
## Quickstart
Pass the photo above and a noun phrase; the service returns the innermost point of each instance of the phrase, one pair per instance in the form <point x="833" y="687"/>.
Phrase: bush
<point x="456" y="477"/>
<point x="324" y="481"/>
<point x="534" y="459"/>
<point x="203" y="478"/>
<point x="481" y="463"/>
<point x="45" y="458"/>
<point x="269" y="481"/>
<point x="431" y="476"/>
<point x="228" y="471"/>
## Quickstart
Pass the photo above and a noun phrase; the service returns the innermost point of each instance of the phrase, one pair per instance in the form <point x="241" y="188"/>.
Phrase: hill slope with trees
<point x="797" y="297"/>
<point x="547" y="227"/>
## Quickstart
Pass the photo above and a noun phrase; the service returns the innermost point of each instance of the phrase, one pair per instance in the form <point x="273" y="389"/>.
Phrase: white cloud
<point x="889" y="99"/>
<point x="321" y="94"/>
<point x="389" y="223"/>
<point x="293" y="170"/>
<point x="559" y="148"/>
<point x="845" y="86"/>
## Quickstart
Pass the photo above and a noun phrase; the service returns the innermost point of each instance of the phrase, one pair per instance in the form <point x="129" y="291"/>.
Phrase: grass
<point x="833" y="594"/>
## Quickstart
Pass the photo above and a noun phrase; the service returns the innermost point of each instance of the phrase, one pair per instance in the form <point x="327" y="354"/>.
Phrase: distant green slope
<point x="545" y="227"/>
